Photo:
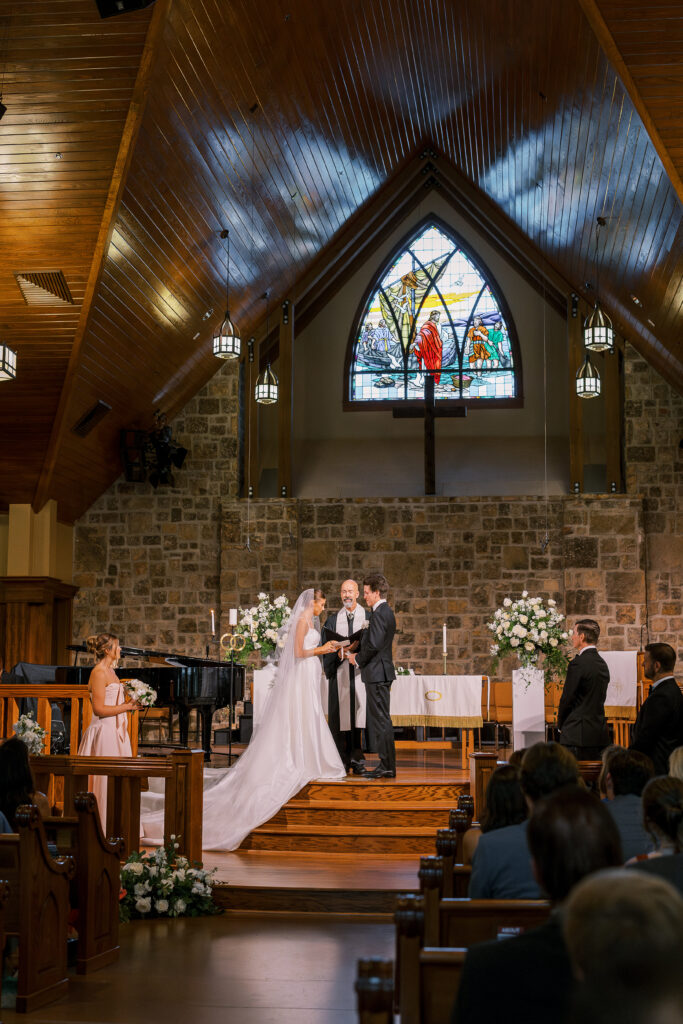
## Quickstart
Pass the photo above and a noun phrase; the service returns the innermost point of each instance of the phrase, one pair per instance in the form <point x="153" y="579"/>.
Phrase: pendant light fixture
<point x="588" y="380"/>
<point x="266" y="389"/>
<point x="8" y="362"/>
<point x="598" y="333"/>
<point x="226" y="341"/>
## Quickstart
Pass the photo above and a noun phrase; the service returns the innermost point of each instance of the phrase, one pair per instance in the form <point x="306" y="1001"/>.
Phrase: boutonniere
<point x="365" y="624"/>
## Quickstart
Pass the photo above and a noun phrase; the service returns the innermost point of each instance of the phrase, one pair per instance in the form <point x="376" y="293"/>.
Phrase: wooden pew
<point x="37" y="910"/>
<point x="183" y="771"/>
<point x="95" y="889"/>
<point x="374" y="988"/>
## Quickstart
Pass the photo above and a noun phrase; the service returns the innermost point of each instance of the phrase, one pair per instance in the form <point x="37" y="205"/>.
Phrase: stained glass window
<point x="433" y="311"/>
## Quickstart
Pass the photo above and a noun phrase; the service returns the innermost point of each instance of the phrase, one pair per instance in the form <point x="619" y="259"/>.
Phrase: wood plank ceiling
<point x="280" y="120"/>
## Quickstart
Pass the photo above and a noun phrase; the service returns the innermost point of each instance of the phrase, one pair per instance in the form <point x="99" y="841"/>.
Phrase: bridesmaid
<point x="107" y="734"/>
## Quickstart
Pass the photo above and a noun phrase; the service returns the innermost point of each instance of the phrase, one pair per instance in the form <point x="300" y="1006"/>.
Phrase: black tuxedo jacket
<point x="374" y="658"/>
<point x="581" y="714"/>
<point x="659" y="725"/>
<point x="525" y="980"/>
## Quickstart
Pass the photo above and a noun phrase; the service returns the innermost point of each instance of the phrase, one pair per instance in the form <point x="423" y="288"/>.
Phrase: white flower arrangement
<point x="140" y="692"/>
<point x="529" y="628"/>
<point x="30" y="733"/>
<point x="162" y="884"/>
<point x="261" y="626"/>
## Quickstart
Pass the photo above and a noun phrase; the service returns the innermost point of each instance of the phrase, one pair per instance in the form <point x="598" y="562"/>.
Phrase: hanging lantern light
<point x="587" y="380"/>
<point x="266" y="388"/>
<point x="226" y="340"/>
<point x="598" y="334"/>
<point x="8" y="363"/>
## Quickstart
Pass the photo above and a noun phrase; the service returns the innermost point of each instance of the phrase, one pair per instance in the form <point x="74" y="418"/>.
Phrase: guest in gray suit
<point x="627" y="774"/>
<point x="501" y="866"/>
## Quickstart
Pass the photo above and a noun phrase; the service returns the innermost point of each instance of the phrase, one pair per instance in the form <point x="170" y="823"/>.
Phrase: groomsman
<point x="346" y="692"/>
<point x="375" y="661"/>
<point x="659" y="725"/>
<point x="581" y="712"/>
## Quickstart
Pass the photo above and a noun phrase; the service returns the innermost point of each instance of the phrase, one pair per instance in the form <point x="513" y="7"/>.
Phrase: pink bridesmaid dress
<point x="106" y="737"/>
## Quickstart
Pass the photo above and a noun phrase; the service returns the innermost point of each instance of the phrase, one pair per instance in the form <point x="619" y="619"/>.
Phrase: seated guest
<point x="604" y="756"/>
<point x="624" y="936"/>
<point x="628" y="772"/>
<point x="528" y="979"/>
<point x="501" y="866"/>
<point x="5" y="827"/>
<point x="17" y="785"/>
<point x="663" y="820"/>
<point x="659" y="725"/>
<point x="676" y="763"/>
<point x="505" y="805"/>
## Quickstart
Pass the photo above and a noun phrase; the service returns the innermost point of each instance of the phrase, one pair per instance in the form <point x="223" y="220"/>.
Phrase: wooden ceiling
<point x="284" y="122"/>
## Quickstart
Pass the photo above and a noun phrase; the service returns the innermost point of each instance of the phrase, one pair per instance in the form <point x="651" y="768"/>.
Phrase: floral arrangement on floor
<point x="260" y="626"/>
<point x="162" y="884"/>
<point x="529" y="628"/>
<point x="32" y="734"/>
<point x="141" y="692"/>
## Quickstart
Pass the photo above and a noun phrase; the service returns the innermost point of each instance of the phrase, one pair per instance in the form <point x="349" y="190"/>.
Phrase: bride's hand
<point x="329" y="647"/>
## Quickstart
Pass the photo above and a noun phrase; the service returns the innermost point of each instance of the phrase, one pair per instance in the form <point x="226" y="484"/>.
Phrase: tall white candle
<point x="213" y="622"/>
<point x="445" y="649"/>
<point x="232" y="617"/>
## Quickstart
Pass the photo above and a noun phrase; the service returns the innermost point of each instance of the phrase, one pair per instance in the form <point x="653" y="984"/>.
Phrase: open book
<point x="344" y="641"/>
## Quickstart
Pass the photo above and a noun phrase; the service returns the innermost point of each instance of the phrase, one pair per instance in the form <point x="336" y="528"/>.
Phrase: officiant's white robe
<point x="343" y="680"/>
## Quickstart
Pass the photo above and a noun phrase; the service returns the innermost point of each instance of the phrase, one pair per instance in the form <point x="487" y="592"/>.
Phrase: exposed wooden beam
<point x="285" y="400"/>
<point x="576" y="356"/>
<point x="111" y="208"/>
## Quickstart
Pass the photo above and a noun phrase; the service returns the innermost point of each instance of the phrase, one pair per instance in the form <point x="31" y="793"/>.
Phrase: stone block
<point x="665" y="553"/>
<point x="625" y="587"/>
<point x="581" y="552"/>
<point x="90" y="550"/>
<point x="580" y="602"/>
<point x="515" y="557"/>
<point x="612" y="523"/>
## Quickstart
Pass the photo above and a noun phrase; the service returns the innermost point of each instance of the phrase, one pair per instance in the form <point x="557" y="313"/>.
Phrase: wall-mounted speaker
<point x="108" y="8"/>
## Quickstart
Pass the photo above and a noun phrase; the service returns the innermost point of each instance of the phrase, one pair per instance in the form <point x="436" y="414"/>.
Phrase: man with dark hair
<point x="528" y="979"/>
<point x="581" y="712"/>
<point x="375" y="660"/>
<point x="627" y="772"/>
<point x="659" y="725"/>
<point x="501" y="866"/>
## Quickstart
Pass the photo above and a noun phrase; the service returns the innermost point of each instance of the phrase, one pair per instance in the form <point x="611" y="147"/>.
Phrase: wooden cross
<point x="430" y="413"/>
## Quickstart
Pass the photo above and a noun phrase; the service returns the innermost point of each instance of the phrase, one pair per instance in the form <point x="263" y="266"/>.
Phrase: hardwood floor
<point x="245" y="969"/>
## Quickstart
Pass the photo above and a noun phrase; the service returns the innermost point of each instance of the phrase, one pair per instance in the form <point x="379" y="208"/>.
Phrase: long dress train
<point x="291" y="747"/>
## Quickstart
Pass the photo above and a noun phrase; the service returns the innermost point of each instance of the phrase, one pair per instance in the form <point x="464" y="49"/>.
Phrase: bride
<point x="291" y="746"/>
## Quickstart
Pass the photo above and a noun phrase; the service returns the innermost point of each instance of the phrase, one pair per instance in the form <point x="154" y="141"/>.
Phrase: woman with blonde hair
<point x="107" y="734"/>
<point x="676" y="763"/>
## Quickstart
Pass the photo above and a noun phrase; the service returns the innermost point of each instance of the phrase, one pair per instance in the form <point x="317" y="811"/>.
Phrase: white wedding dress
<point x="291" y="746"/>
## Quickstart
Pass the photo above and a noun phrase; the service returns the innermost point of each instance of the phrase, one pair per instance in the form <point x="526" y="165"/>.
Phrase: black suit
<point x="525" y="980"/>
<point x="581" y="714"/>
<point x="375" y="661"/>
<point x="659" y="725"/>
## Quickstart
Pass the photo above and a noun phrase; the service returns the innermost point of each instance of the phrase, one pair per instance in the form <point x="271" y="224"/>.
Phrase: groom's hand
<point x="352" y="658"/>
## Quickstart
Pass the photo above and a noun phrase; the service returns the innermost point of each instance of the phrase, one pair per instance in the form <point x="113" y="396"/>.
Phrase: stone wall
<point x="449" y="560"/>
<point x="653" y="414"/>
<point x="148" y="562"/>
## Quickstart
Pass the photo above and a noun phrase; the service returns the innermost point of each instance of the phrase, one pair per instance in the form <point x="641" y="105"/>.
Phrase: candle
<point x="232" y="617"/>
<point x="213" y="622"/>
<point x="445" y="649"/>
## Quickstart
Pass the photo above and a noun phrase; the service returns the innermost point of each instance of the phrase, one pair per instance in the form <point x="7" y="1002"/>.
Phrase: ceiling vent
<point x="91" y="418"/>
<point x="47" y="288"/>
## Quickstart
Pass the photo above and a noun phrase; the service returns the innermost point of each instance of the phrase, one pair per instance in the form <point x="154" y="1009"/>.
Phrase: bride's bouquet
<point x="140" y="692"/>
<point x="262" y="626"/>
<point x="529" y="628"/>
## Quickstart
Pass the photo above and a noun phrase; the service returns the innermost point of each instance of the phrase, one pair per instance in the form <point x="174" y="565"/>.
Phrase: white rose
<point x="506" y="616"/>
<point x="161" y="906"/>
<point x="136" y="867"/>
<point x="553" y="642"/>
<point x="262" y="596"/>
<point x="180" y="874"/>
<point x="494" y="649"/>
<point x="524" y="619"/>
<point x="507" y="602"/>
<point x="141" y="888"/>
<point x="198" y="888"/>
<point x="179" y="906"/>
<point x="551" y="602"/>
<point x="514" y="642"/>
<point x="525" y="593"/>
<point x="143" y="906"/>
<point x="544" y="634"/>
<point x="528" y="647"/>
<point x="153" y="870"/>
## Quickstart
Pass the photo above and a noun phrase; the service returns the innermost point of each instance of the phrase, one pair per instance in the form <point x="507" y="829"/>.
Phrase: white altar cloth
<point x="437" y="701"/>
<point x="622" y="691"/>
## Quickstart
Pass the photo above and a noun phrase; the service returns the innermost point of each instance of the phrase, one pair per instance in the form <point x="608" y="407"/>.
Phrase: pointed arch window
<point x="435" y="309"/>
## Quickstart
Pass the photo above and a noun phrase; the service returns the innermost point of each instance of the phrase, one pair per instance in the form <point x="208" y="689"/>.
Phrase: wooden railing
<point x="183" y="771"/>
<point x="78" y="699"/>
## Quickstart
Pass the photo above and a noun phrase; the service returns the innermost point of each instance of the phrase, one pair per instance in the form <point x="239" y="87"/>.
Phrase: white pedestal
<point x="528" y="708"/>
<point x="264" y="679"/>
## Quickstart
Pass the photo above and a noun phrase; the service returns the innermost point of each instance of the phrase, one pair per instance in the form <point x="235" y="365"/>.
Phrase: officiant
<point x="346" y="692"/>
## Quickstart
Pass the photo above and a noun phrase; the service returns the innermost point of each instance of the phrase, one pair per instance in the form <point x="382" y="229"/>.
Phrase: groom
<point x="374" y="659"/>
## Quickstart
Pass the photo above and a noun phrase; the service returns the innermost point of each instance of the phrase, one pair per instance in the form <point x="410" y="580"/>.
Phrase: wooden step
<point x="341" y="839"/>
<point x="272" y="899"/>
<point x="356" y="788"/>
<point x="359" y="813"/>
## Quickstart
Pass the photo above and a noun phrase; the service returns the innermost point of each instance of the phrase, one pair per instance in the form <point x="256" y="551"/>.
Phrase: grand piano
<point x="182" y="684"/>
